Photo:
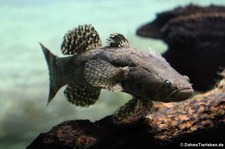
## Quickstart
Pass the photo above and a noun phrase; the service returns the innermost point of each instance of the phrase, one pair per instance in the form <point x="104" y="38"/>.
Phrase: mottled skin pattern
<point x="146" y="75"/>
<point x="116" y="67"/>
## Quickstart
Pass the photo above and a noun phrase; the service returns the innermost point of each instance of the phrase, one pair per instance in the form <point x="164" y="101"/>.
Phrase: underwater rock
<point x="198" y="119"/>
<point x="154" y="28"/>
<point x="195" y="37"/>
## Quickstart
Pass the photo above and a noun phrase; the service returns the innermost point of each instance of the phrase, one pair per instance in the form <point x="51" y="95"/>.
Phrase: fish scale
<point x="116" y="67"/>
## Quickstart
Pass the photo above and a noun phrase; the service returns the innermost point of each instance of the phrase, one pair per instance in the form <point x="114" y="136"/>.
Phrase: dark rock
<point x="195" y="37"/>
<point x="154" y="28"/>
<point x="200" y="119"/>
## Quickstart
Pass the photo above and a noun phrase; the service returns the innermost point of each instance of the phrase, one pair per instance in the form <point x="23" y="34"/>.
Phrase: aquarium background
<point x="23" y="70"/>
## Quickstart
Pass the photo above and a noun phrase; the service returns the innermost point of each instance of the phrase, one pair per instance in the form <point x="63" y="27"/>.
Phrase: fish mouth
<point x="181" y="94"/>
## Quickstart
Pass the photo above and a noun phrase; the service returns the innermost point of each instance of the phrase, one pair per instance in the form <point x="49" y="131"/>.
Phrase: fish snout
<point x="183" y="94"/>
<point x="180" y="95"/>
<point x="183" y="91"/>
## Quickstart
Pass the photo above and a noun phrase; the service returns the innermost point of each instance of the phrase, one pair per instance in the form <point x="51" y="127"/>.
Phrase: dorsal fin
<point x="117" y="40"/>
<point x="154" y="53"/>
<point x="80" y="39"/>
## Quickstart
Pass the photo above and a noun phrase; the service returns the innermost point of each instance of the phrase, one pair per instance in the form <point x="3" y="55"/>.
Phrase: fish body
<point x="116" y="67"/>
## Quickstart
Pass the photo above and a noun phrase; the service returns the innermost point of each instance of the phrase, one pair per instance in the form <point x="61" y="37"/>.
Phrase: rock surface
<point x="195" y="37"/>
<point x="198" y="119"/>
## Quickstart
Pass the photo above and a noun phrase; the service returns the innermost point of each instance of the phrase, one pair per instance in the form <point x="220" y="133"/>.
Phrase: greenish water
<point x="24" y="75"/>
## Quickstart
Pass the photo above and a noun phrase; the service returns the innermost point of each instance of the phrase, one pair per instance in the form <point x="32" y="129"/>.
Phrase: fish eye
<point x="166" y="83"/>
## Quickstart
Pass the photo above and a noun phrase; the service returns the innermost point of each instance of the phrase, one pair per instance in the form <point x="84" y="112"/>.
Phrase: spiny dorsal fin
<point x="82" y="38"/>
<point x="103" y="74"/>
<point x="117" y="40"/>
<point x="82" y="95"/>
<point x="153" y="53"/>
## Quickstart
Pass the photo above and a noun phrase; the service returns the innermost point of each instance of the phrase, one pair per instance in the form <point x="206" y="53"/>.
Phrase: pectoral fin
<point x="103" y="74"/>
<point x="132" y="111"/>
<point x="82" y="95"/>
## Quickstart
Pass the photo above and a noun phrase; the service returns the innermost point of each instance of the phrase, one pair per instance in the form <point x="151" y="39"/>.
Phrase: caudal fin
<point x="54" y="85"/>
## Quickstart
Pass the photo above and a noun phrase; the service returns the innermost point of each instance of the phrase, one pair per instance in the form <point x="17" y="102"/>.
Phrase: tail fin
<point x="54" y="84"/>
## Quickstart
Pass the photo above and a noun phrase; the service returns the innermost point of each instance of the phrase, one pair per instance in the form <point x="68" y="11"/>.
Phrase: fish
<point x="90" y="67"/>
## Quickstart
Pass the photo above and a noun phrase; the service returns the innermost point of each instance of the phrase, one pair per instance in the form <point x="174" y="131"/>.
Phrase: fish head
<point x="156" y="80"/>
<point x="169" y="85"/>
<point x="176" y="89"/>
